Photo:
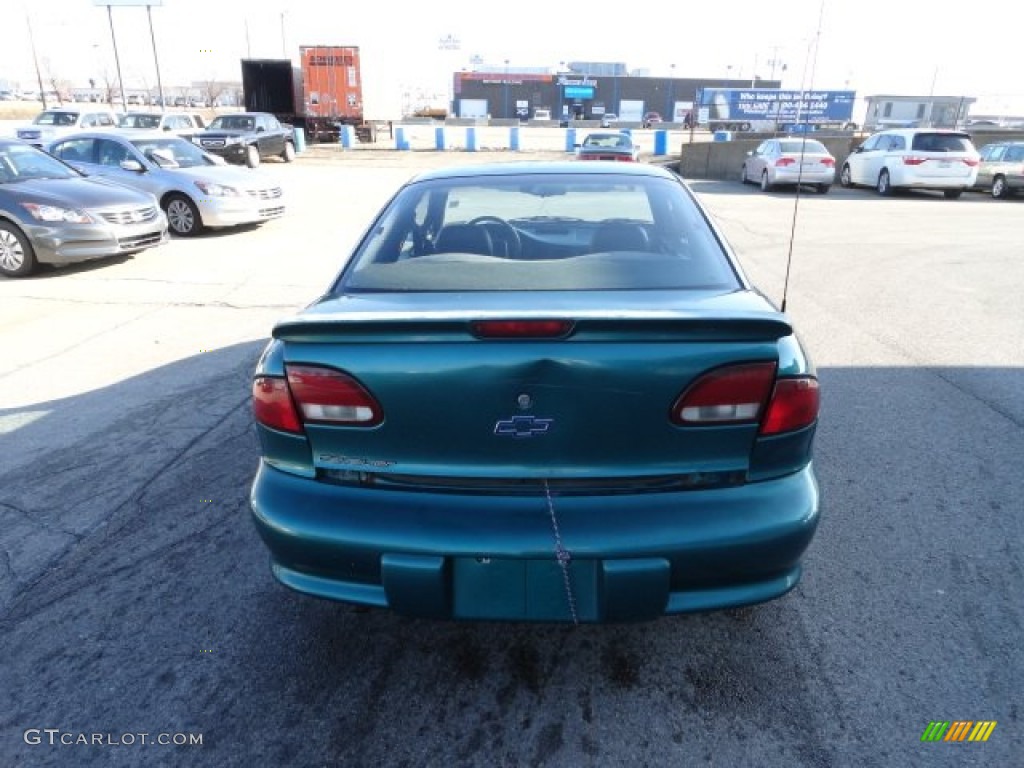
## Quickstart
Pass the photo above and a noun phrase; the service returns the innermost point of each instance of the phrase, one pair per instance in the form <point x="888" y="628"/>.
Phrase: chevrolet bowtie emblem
<point x="522" y="426"/>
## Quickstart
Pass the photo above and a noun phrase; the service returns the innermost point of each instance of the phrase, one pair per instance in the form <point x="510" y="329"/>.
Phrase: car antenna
<point x="813" y="45"/>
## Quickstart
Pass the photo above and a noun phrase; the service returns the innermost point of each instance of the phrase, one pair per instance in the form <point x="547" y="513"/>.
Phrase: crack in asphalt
<point x="62" y="351"/>
<point x="38" y="523"/>
<point x="134" y="500"/>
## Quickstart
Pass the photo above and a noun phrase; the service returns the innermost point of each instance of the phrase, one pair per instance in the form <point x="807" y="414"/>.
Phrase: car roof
<point x="125" y="134"/>
<point x="911" y="131"/>
<point x="552" y="167"/>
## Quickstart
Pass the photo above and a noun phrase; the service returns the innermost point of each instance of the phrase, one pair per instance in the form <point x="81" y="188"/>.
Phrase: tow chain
<point x="562" y="555"/>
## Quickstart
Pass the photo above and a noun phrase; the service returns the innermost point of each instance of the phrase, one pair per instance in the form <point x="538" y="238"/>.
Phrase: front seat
<point x="620" y="236"/>
<point x="464" y="238"/>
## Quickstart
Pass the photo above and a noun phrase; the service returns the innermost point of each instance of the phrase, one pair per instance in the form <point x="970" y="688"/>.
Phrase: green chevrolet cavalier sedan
<point x="542" y="392"/>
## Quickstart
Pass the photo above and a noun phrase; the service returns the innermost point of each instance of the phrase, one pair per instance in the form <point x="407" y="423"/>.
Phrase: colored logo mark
<point x="958" y="730"/>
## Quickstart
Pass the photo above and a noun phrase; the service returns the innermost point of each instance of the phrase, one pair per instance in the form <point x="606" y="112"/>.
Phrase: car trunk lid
<point x="463" y="403"/>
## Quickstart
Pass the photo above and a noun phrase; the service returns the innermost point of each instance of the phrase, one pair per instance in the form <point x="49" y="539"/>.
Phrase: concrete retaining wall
<point x="723" y="159"/>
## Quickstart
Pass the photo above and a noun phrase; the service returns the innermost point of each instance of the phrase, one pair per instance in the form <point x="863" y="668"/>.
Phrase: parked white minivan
<point x="913" y="158"/>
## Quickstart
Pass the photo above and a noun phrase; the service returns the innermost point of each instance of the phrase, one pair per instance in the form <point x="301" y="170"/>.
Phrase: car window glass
<point x="799" y="145"/>
<point x="600" y="232"/>
<point x="104" y="120"/>
<point x="23" y="162"/>
<point x="942" y="142"/>
<point x="75" y="151"/>
<point x="110" y="153"/>
<point x="993" y="154"/>
<point x="1014" y="154"/>
<point x="180" y="153"/>
<point x="871" y="143"/>
<point x="897" y="143"/>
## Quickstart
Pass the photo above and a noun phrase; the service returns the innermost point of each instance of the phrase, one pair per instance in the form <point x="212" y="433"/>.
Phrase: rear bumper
<point x="816" y="176"/>
<point x="454" y="556"/>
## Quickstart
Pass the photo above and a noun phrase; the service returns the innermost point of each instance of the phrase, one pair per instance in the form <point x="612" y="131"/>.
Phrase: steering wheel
<point x="504" y="236"/>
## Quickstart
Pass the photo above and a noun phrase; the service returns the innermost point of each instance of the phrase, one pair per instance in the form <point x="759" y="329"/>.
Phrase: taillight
<point x="734" y="394"/>
<point x="971" y="161"/>
<point x="794" y="405"/>
<point x="327" y="396"/>
<point x="625" y="159"/>
<point x="784" y="161"/>
<point x="521" y="329"/>
<point x="914" y="160"/>
<point x="272" y="404"/>
<point x="740" y="394"/>
<point x="828" y="162"/>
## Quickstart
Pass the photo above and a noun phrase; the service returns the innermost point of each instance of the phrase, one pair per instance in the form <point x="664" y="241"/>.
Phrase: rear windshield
<point x="798" y="145"/>
<point x="139" y="121"/>
<point x="540" y="232"/>
<point x="942" y="142"/>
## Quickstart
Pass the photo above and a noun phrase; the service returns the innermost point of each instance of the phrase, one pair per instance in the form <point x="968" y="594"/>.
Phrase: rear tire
<point x="289" y="152"/>
<point x="1000" y="188"/>
<point x="952" y="194"/>
<point x="252" y="156"/>
<point x="766" y="186"/>
<point x="743" y="174"/>
<point x="845" y="177"/>
<point x="822" y="189"/>
<point x="884" y="186"/>
<point x="17" y="257"/>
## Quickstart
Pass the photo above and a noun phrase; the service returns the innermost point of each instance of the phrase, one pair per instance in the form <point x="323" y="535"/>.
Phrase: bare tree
<point x="111" y="86"/>
<point x="212" y="89"/>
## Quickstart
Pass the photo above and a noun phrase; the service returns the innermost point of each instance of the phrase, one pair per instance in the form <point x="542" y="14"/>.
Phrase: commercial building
<point x="585" y="92"/>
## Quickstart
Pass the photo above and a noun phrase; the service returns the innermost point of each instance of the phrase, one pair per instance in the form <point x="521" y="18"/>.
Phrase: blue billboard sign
<point x="579" y="91"/>
<point x="777" y="105"/>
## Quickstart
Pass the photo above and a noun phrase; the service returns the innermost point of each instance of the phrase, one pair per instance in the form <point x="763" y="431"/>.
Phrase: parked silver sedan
<point x="1001" y="170"/>
<point x="196" y="189"/>
<point x="790" y="162"/>
<point x="51" y="214"/>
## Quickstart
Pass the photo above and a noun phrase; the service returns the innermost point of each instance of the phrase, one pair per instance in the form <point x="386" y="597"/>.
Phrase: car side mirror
<point x="858" y="149"/>
<point x="131" y="165"/>
<point x="167" y="127"/>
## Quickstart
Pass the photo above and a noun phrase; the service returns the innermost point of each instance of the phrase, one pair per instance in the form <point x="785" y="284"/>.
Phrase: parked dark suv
<point x="248" y="137"/>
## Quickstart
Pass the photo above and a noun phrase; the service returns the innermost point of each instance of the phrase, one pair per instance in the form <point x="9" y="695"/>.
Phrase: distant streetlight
<point x="671" y="112"/>
<point x="507" y="89"/>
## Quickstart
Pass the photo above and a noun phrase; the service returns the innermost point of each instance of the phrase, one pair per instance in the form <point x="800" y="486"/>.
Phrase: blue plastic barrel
<point x="439" y="137"/>
<point x="299" y="139"/>
<point x="661" y="142"/>
<point x="400" y="141"/>
<point x="513" y="138"/>
<point x="570" y="139"/>
<point x="471" y="139"/>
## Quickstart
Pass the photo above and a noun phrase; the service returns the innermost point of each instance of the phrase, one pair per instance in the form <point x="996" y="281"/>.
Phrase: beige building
<point x="917" y="111"/>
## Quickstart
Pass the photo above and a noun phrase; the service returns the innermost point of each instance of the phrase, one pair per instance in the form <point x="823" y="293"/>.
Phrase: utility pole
<point x="35" y="59"/>
<point x="117" y="59"/>
<point x="156" y="59"/>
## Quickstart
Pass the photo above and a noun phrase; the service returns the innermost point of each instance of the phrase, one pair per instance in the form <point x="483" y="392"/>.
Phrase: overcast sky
<point x="871" y="46"/>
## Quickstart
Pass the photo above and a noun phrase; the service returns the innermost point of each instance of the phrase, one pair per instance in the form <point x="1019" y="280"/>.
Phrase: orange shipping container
<point x="332" y="82"/>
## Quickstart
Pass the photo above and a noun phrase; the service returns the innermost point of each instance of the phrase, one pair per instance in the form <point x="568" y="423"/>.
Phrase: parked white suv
<point x="914" y="158"/>
<point x="51" y="124"/>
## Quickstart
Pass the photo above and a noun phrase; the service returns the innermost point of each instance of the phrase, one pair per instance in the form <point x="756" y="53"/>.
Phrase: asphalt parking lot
<point x="135" y="596"/>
